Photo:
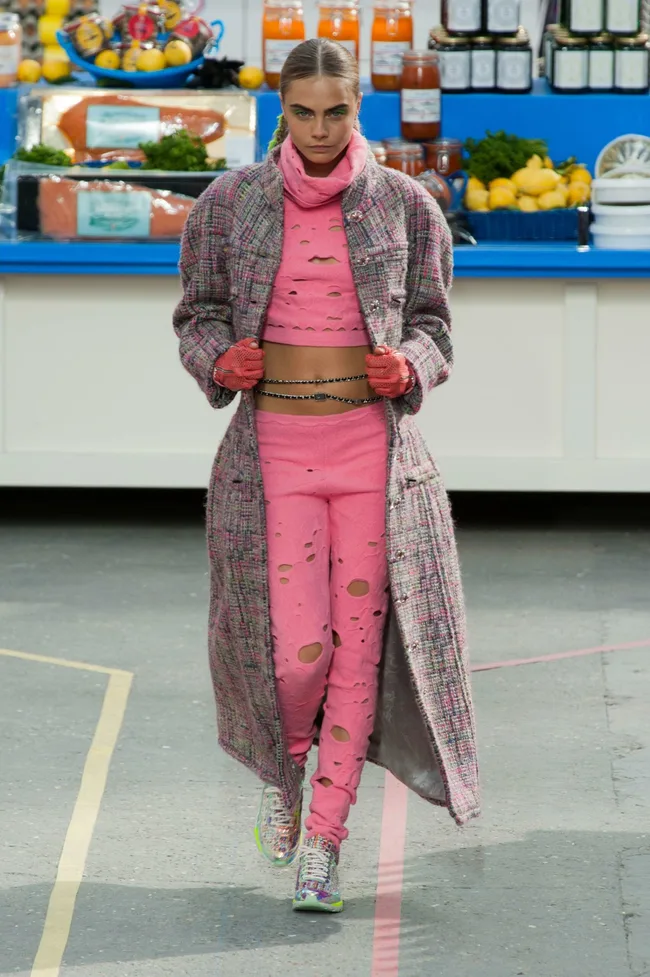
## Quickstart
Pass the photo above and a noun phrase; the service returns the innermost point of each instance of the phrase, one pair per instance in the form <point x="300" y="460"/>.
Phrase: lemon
<point x="177" y="52"/>
<point x="475" y="184"/>
<point x="581" y="175"/>
<point x="58" y="8"/>
<point x="553" y="200"/>
<point x="108" y="59"/>
<point x="535" y="162"/>
<point x="533" y="180"/>
<point x="477" y="199"/>
<point x="528" y="205"/>
<point x="251" y="78"/>
<point x="579" y="193"/>
<point x="55" y="70"/>
<point x="152" y="60"/>
<point x="29" y="72"/>
<point x="505" y="184"/>
<point x="501" y="198"/>
<point x="548" y="163"/>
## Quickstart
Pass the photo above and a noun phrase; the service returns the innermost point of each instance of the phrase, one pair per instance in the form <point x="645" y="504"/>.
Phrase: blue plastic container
<point x="511" y="225"/>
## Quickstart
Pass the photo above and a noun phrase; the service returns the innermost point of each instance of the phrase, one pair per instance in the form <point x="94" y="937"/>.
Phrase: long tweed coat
<point x="401" y="258"/>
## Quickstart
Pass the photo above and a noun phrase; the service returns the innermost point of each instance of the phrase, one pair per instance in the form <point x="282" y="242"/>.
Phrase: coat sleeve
<point x="426" y="334"/>
<point x="203" y="318"/>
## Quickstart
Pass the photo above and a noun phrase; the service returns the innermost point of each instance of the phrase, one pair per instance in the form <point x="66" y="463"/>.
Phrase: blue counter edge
<point x="485" y="261"/>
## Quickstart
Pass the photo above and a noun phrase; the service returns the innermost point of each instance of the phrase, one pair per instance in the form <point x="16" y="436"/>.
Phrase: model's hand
<point x="389" y="372"/>
<point x="241" y="366"/>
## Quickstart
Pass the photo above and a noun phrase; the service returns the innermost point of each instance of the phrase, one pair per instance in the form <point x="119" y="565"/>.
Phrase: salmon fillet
<point x="207" y="124"/>
<point x="58" y="207"/>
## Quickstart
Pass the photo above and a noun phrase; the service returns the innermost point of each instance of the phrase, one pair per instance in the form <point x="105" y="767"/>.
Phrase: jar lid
<point x="438" y="33"/>
<point x="409" y="56"/>
<point x="292" y="4"/>
<point x="404" y="148"/>
<point x="640" y="40"/>
<point x="516" y="41"/>
<point x="338" y="4"/>
<point x="401" y="5"/>
<point x="482" y="40"/>
<point x="455" y="42"/>
<point x="8" y="21"/>
<point x="569" y="41"/>
<point x="602" y="39"/>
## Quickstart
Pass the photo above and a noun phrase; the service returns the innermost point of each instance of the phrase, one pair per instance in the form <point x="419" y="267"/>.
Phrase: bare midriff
<point x="283" y="362"/>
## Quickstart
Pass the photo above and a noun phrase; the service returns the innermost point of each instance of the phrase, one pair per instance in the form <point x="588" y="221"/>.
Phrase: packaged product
<point x="90" y="35"/>
<point x="195" y="32"/>
<point x="142" y="23"/>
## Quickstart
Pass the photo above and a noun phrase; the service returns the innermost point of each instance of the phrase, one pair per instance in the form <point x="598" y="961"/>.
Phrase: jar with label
<point x="502" y="17"/>
<point x="445" y="156"/>
<point x="11" y="39"/>
<point x="340" y="22"/>
<point x="463" y="18"/>
<point x="407" y="157"/>
<point x="455" y="64"/>
<point x="601" y="64"/>
<point x="420" y="96"/>
<point x="483" y="57"/>
<point x="570" y="64"/>
<point x="515" y="64"/>
<point x="632" y="65"/>
<point x="623" y="17"/>
<point x="283" y="28"/>
<point x="378" y="150"/>
<point x="392" y="36"/>
<point x="549" y="43"/>
<point x="583" y="17"/>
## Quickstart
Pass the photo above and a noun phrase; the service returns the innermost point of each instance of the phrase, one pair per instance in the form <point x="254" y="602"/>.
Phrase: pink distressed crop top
<point x="314" y="300"/>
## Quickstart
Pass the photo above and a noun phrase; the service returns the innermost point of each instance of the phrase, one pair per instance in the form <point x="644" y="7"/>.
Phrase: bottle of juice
<point x="340" y="22"/>
<point x="392" y="36"/>
<point x="283" y="27"/>
<point x="11" y="39"/>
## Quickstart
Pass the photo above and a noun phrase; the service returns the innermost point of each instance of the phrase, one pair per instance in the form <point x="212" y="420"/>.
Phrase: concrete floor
<point x="553" y="881"/>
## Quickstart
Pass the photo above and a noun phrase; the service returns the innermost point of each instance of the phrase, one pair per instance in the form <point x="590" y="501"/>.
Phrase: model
<point x="316" y="283"/>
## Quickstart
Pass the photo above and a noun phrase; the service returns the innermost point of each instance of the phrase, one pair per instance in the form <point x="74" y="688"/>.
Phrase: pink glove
<point x="389" y="372"/>
<point x="240" y="367"/>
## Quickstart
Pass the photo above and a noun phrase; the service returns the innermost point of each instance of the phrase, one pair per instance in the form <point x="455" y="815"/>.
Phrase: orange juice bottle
<point x="340" y="22"/>
<point x="392" y="35"/>
<point x="11" y="39"/>
<point x="283" y="27"/>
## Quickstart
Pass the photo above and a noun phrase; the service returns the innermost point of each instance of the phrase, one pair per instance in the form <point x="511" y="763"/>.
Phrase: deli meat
<point x="58" y="204"/>
<point x="207" y="124"/>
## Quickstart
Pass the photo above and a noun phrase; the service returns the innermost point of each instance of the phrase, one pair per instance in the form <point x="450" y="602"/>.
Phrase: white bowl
<point x="621" y="190"/>
<point x="621" y="238"/>
<point x="611" y="215"/>
<point x="625" y="154"/>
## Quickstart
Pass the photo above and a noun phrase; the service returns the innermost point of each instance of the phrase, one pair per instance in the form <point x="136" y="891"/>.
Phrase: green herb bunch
<point x="500" y="155"/>
<point x="179" y="151"/>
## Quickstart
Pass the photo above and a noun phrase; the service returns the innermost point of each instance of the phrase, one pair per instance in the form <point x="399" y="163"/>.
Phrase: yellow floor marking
<point x="76" y="846"/>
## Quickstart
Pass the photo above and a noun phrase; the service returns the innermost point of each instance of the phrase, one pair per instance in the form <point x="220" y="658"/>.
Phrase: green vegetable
<point x="179" y="151"/>
<point x="500" y="155"/>
<point x="41" y="155"/>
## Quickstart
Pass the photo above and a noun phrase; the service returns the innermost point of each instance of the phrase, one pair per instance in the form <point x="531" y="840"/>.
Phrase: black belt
<point x="321" y="395"/>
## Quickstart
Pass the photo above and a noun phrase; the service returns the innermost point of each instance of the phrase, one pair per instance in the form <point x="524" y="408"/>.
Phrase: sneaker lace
<point x="316" y="864"/>
<point x="280" y="817"/>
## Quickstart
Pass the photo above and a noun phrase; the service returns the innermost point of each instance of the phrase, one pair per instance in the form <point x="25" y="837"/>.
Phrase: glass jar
<point x="515" y="64"/>
<point x="570" y="64"/>
<point x="407" y="157"/>
<point x="601" y="64"/>
<point x="550" y="34"/>
<point x="632" y="65"/>
<point x="340" y="22"/>
<point x="378" y="150"/>
<point x="464" y="18"/>
<point x="623" y="17"/>
<point x="11" y="39"/>
<point x="583" y="17"/>
<point x="455" y="64"/>
<point x="392" y="36"/>
<point x="502" y="17"/>
<point x="483" y="58"/>
<point x="445" y="156"/>
<point x="420" y="96"/>
<point x="283" y="28"/>
<point x="437" y="187"/>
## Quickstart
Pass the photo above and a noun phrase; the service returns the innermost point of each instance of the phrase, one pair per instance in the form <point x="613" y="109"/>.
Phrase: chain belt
<point x="321" y="395"/>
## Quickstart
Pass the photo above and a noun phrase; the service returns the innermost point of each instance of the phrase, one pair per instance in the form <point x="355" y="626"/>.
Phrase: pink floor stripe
<point x="558" y="656"/>
<point x="388" y="905"/>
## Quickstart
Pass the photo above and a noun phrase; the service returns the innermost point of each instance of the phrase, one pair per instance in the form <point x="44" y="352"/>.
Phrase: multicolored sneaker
<point x="277" y="831"/>
<point x="317" y="886"/>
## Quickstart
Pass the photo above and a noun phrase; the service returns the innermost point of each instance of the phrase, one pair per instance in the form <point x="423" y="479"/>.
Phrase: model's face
<point x="320" y="113"/>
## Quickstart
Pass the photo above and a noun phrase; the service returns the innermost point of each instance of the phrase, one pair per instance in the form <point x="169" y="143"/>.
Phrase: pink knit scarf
<point x="313" y="191"/>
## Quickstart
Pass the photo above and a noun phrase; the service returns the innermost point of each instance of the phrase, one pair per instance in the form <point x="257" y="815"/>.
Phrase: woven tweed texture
<point x="401" y="256"/>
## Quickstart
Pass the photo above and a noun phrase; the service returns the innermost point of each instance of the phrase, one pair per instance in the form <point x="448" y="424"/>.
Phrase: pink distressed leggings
<point x="325" y="492"/>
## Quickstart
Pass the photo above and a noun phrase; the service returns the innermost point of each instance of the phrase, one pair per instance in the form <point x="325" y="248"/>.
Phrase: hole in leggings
<point x="336" y="227"/>
<point x="325" y="627"/>
<point x="310" y="653"/>
<point x="354" y="618"/>
<point x="364" y="702"/>
<point x="376" y="614"/>
<point x="334" y="318"/>
<point x="337" y="639"/>
<point x="358" y="588"/>
<point x="310" y="469"/>
<point x="373" y="544"/>
<point x="340" y="735"/>
<point x="334" y="295"/>
<point x="325" y="782"/>
<point x="295" y="227"/>
<point x="308" y="546"/>
<point x="317" y="260"/>
<point x="310" y="559"/>
<point x="359" y="759"/>
<point x="284" y="580"/>
<point x="337" y="763"/>
<point x="285" y="566"/>
<point x="340" y="560"/>
<point x="277" y="535"/>
<point x="304" y="242"/>
<point x="293" y="293"/>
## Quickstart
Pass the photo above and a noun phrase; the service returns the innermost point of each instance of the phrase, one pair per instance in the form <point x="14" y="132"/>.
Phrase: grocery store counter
<point x="550" y="389"/>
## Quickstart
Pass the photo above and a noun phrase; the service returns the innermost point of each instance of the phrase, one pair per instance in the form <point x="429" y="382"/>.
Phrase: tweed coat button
<point x="355" y="215"/>
<point x="373" y="306"/>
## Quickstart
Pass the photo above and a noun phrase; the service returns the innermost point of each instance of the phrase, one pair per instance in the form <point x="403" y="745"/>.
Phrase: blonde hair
<point x="318" y="56"/>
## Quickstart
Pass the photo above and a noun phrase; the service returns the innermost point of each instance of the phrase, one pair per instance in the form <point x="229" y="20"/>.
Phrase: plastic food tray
<point x="167" y="78"/>
<point x="511" y="225"/>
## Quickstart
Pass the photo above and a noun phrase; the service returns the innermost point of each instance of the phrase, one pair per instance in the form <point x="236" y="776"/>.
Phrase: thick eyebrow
<point x="342" y="105"/>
